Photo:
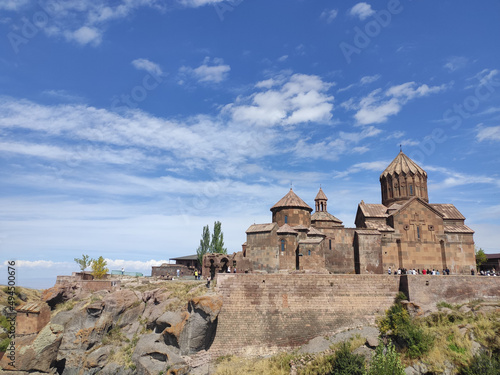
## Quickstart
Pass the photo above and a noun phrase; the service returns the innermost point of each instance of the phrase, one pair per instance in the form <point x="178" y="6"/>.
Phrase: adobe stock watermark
<point x="30" y="27"/>
<point x="226" y="6"/>
<point x="363" y="36"/>
<point x="138" y="93"/>
<point x="455" y="116"/>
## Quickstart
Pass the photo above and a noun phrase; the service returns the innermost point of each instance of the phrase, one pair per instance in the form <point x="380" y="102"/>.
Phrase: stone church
<point x="404" y="231"/>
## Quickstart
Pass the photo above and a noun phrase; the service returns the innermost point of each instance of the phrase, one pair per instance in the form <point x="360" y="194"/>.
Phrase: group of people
<point x="489" y="273"/>
<point x="404" y="271"/>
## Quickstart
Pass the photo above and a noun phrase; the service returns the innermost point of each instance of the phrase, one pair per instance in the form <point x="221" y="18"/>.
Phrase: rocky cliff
<point x="140" y="329"/>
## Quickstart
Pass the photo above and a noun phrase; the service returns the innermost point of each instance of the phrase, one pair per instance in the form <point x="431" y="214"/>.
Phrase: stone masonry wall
<point x="426" y="291"/>
<point x="265" y="312"/>
<point x="262" y="314"/>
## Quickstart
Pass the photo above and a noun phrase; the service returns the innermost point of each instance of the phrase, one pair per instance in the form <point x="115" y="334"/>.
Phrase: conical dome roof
<point x="320" y="195"/>
<point x="291" y="200"/>
<point x="402" y="164"/>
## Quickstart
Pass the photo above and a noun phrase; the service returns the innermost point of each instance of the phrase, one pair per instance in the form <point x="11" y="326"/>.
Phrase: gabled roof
<point x="324" y="216"/>
<point x="287" y="229"/>
<point x="291" y="200"/>
<point x="448" y="211"/>
<point x="402" y="164"/>
<point x="320" y="195"/>
<point x="261" y="228"/>
<point x="406" y="204"/>
<point x="373" y="209"/>
<point x="31" y="307"/>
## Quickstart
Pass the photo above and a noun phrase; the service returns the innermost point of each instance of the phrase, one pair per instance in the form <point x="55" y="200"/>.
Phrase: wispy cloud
<point x="455" y="63"/>
<point x="379" y="105"/>
<point x="211" y="71"/>
<point x="491" y="133"/>
<point x="329" y="15"/>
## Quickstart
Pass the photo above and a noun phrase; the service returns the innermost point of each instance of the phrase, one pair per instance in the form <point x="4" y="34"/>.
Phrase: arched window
<point x="330" y="244"/>
<point x="309" y="252"/>
<point x="286" y="219"/>
<point x="411" y="189"/>
<point x="283" y="245"/>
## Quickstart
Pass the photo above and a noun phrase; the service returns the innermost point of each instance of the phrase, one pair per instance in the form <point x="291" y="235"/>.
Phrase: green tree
<point x="386" y="364"/>
<point x="204" y="244"/>
<point x="99" y="268"/>
<point x="84" y="262"/>
<point x="481" y="258"/>
<point x="217" y="243"/>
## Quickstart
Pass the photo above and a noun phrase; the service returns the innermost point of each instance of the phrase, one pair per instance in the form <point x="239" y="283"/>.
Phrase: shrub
<point x="482" y="364"/>
<point x="398" y="324"/>
<point x="388" y="364"/>
<point x="346" y="363"/>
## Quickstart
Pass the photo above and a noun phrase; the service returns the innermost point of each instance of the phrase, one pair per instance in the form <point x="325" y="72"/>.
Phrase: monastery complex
<point x="404" y="231"/>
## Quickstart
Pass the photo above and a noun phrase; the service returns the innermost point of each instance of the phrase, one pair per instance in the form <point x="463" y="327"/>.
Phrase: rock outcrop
<point x="107" y="333"/>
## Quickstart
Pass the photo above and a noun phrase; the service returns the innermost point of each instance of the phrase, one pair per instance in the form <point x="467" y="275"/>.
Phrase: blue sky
<point x="126" y="126"/>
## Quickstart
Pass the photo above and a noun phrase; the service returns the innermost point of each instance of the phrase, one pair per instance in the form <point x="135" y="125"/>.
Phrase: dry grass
<point x="231" y="365"/>
<point x="30" y="294"/>
<point x="452" y="345"/>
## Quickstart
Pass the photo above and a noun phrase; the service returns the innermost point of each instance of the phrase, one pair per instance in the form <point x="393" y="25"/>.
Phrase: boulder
<point x="151" y="356"/>
<point x="36" y="352"/>
<point x="316" y="345"/>
<point x="199" y="330"/>
<point x="98" y="358"/>
<point x="365" y="352"/>
<point x="372" y="341"/>
<point x="119" y="301"/>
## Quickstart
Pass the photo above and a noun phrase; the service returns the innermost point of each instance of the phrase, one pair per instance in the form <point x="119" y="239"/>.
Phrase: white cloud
<point x="491" y="133"/>
<point x="85" y="35"/>
<point x="40" y="264"/>
<point x="363" y="81"/>
<point x="283" y="58"/>
<point x="378" y="106"/>
<point x="148" y="66"/>
<point x="301" y="98"/>
<point x="214" y="71"/>
<point x="329" y="15"/>
<point x="362" y="10"/>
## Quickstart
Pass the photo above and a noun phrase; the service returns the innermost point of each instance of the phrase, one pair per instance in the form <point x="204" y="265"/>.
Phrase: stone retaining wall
<point x="263" y="313"/>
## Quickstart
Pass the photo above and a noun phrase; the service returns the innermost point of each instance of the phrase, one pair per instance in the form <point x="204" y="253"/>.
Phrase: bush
<point x="482" y="364"/>
<point x="346" y="363"/>
<point x="398" y="324"/>
<point x="388" y="364"/>
<point x="4" y="344"/>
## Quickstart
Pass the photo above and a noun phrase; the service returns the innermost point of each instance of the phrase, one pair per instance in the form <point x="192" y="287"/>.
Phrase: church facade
<point x="404" y="231"/>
